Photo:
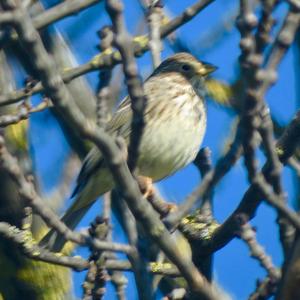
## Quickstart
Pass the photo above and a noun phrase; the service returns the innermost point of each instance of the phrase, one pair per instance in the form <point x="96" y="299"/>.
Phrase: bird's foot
<point x="151" y="194"/>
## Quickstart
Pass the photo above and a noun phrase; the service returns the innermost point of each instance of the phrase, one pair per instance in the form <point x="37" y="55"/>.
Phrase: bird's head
<point x="187" y="65"/>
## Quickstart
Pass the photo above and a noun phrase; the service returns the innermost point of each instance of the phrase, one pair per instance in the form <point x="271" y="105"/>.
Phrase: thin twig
<point x="24" y="113"/>
<point x="264" y="289"/>
<point x="154" y="19"/>
<point x="60" y="11"/>
<point x="247" y="234"/>
<point x="294" y="164"/>
<point x="104" y="93"/>
<point x="124" y="44"/>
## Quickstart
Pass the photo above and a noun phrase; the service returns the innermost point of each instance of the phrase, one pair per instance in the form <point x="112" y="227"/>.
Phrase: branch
<point x="185" y="17"/>
<point x="289" y="288"/>
<point x="23" y="114"/>
<point x="27" y="192"/>
<point x="130" y="227"/>
<point x="247" y="234"/>
<point x="96" y="277"/>
<point x="138" y="99"/>
<point x="107" y="59"/>
<point x="104" y="93"/>
<point x="155" y="16"/>
<point x="29" y="248"/>
<point x="210" y="179"/>
<point x="142" y="210"/>
<point x="60" y="11"/>
<point x="264" y="289"/>
<point x="252" y="198"/>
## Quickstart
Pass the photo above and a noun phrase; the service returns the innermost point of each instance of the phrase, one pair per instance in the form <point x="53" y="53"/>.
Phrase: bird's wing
<point x="121" y="117"/>
<point x="94" y="158"/>
<point x="92" y="161"/>
<point x="120" y="124"/>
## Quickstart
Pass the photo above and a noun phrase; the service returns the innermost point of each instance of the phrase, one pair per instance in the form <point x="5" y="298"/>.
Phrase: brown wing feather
<point x="119" y="124"/>
<point x="94" y="158"/>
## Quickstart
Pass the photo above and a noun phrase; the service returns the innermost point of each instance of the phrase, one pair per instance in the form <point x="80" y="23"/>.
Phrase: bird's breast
<point x="172" y="135"/>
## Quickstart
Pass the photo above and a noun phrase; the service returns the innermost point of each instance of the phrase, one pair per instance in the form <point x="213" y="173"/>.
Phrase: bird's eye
<point x="186" y="67"/>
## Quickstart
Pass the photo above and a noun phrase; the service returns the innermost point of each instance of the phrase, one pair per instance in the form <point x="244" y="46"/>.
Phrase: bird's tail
<point x="56" y="241"/>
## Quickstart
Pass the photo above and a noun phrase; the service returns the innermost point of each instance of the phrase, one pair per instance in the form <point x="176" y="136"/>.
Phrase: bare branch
<point x="247" y="234"/>
<point x="124" y="44"/>
<point x="264" y="289"/>
<point x="60" y="11"/>
<point x="154" y="19"/>
<point x="128" y="187"/>
<point x="252" y="198"/>
<point x="104" y="93"/>
<point x="24" y="112"/>
<point x="28" y="193"/>
<point x="107" y="59"/>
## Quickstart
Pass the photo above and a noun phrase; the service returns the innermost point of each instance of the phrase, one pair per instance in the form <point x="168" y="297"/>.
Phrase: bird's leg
<point x="151" y="194"/>
<point x="146" y="186"/>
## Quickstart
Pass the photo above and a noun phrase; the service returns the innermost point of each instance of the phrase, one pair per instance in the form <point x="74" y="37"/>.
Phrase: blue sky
<point x="234" y="270"/>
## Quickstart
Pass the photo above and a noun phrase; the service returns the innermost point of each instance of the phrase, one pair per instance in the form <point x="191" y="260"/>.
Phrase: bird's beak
<point x="206" y="69"/>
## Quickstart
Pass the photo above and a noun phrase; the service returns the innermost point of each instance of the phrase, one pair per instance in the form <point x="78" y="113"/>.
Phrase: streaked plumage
<point x="175" y="119"/>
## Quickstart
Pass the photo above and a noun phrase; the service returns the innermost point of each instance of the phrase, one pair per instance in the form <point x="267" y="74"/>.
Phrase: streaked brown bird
<point x="175" y="123"/>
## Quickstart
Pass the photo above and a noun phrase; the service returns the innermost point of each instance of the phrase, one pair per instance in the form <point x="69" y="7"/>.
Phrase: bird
<point x="175" y="124"/>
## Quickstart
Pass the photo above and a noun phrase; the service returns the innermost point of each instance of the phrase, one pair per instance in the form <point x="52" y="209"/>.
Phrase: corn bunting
<point x="175" y="122"/>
